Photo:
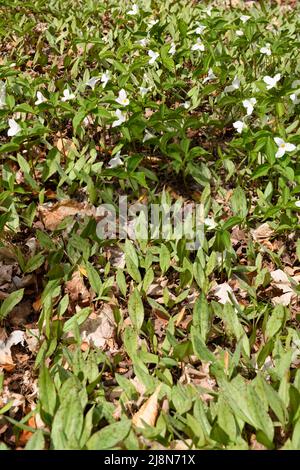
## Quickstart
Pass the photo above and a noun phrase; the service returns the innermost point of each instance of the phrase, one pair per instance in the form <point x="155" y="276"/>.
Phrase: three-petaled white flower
<point x="235" y="85"/>
<point x="148" y="136"/>
<point x="121" y="118"/>
<point x="144" y="91"/>
<point x="249" y="105"/>
<point x="122" y="98"/>
<point x="40" y="98"/>
<point x="245" y="18"/>
<point x="2" y="94"/>
<point x="143" y="42"/>
<point x="200" y="28"/>
<point x="92" y="82"/>
<point x="239" y="126"/>
<point x="152" y="23"/>
<point x="105" y="77"/>
<point x="115" y="161"/>
<point x="134" y="10"/>
<point x="210" y="76"/>
<point x="199" y="46"/>
<point x="186" y="104"/>
<point x="271" y="82"/>
<point x="67" y="95"/>
<point x="14" y="128"/>
<point x="283" y="147"/>
<point x="266" y="49"/>
<point x="153" y="56"/>
<point x="297" y="203"/>
<point x="296" y="84"/>
<point x="294" y="98"/>
<point x="172" y="49"/>
<point x="239" y="33"/>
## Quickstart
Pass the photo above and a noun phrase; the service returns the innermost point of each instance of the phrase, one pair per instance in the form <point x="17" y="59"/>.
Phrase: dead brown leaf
<point x="76" y="288"/>
<point x="53" y="215"/>
<point x="148" y="412"/>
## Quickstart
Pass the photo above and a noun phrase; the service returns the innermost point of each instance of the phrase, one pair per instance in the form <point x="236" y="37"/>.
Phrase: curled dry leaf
<point x="262" y="232"/>
<point x="53" y="215"/>
<point x="148" y="412"/>
<point x="16" y="337"/>
<point x="281" y="281"/>
<point x="76" y="288"/>
<point x="97" y="331"/>
<point x="222" y="292"/>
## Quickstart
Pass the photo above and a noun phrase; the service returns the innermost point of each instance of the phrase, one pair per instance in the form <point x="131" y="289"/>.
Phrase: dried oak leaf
<point x="262" y="232"/>
<point x="76" y="288"/>
<point x="98" y="331"/>
<point x="52" y="216"/>
<point x="148" y="411"/>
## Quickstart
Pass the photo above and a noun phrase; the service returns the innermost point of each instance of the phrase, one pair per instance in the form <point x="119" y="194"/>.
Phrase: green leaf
<point x="275" y="321"/>
<point x="136" y="309"/>
<point x="47" y="394"/>
<point x="10" y="302"/>
<point x="200" y="349"/>
<point x="164" y="259"/>
<point x="110" y="436"/>
<point x="34" y="263"/>
<point x="36" y="442"/>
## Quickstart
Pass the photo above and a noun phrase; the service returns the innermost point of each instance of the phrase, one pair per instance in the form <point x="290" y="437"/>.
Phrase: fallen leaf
<point x="222" y="292"/>
<point x="262" y="232"/>
<point x="53" y="215"/>
<point x="16" y="337"/>
<point x="97" y="331"/>
<point x="148" y="412"/>
<point x="76" y="288"/>
<point x="282" y="282"/>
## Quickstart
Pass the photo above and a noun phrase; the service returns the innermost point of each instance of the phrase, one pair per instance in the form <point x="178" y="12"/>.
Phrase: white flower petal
<point x="290" y="147"/>
<point x="278" y="141"/>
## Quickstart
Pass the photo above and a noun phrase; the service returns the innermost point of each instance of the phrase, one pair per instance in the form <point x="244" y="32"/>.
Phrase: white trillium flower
<point x="294" y="98"/>
<point x="143" y="42"/>
<point x="283" y="147"/>
<point x="296" y="84"/>
<point x="245" y="18"/>
<point x="210" y="76"/>
<point x="200" y="28"/>
<point x="249" y="105"/>
<point x="2" y="94"/>
<point x="266" y="50"/>
<point x="67" y="95"/>
<point x="271" y="82"/>
<point x="115" y="161"/>
<point x="153" y="56"/>
<point x="199" y="46"/>
<point x="92" y="82"/>
<point x="121" y="118"/>
<point x="239" y="126"/>
<point x="297" y="203"/>
<point x="148" y="136"/>
<point x="210" y="223"/>
<point x="122" y="98"/>
<point x="134" y="10"/>
<point x="208" y="11"/>
<point x="14" y="128"/>
<point x="40" y="98"/>
<point x="105" y="77"/>
<point x="143" y="91"/>
<point x="239" y="33"/>
<point x="172" y="49"/>
<point x="186" y="104"/>
<point x="152" y="23"/>
<point x="234" y="86"/>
